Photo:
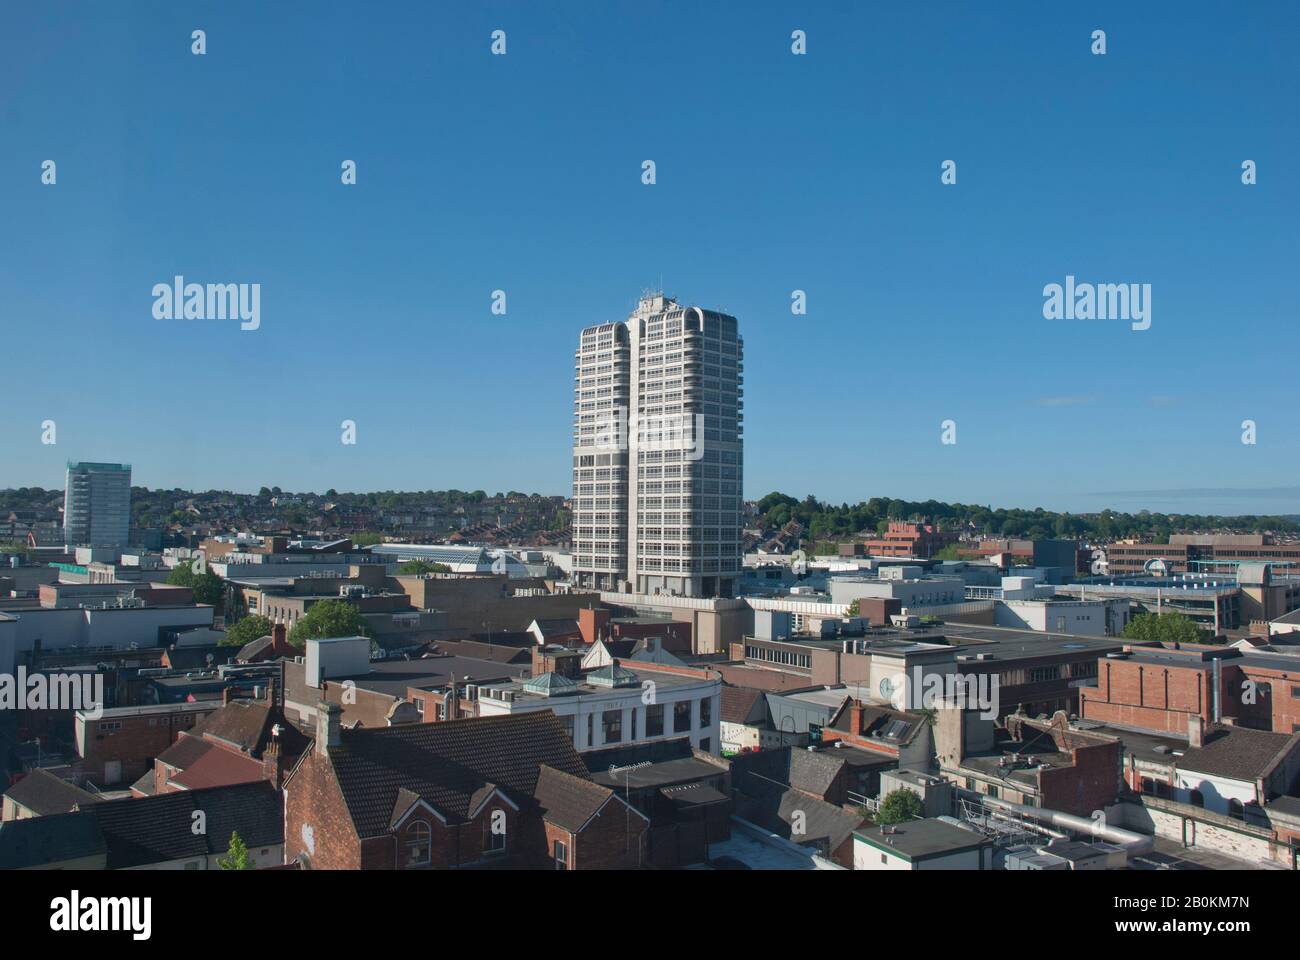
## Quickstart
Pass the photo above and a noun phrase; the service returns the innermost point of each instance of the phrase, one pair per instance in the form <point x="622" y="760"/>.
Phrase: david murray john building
<point x="657" y="452"/>
<point x="97" y="505"/>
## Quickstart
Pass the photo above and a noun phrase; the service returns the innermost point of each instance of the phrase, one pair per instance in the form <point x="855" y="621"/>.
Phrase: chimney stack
<point x="1195" y="732"/>
<point x="855" y="717"/>
<point x="272" y="766"/>
<point x="227" y="695"/>
<point x="279" y="636"/>
<point x="328" y="726"/>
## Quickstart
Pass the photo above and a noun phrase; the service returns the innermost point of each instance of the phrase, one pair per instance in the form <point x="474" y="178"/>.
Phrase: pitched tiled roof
<point x="148" y="830"/>
<point x="620" y="649"/>
<point x="773" y="806"/>
<point x="43" y="793"/>
<point x="255" y="648"/>
<point x="813" y="772"/>
<point x="155" y="829"/>
<point x="807" y="770"/>
<point x="1238" y="753"/>
<point x="240" y="723"/>
<point x="557" y="627"/>
<point x="219" y="767"/>
<point x="568" y="801"/>
<point x="447" y="763"/>
<point x="185" y="751"/>
<point x="890" y="726"/>
<point x="738" y="704"/>
<point x="37" y="841"/>
<point x="246" y="726"/>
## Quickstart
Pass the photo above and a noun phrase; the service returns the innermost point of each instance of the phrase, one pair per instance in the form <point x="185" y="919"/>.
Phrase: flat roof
<point x="394" y="677"/>
<point x="831" y="697"/>
<point x="922" y="839"/>
<point x="657" y="774"/>
<point x="1149" y="747"/>
<point x="1009" y="643"/>
<point x="581" y="688"/>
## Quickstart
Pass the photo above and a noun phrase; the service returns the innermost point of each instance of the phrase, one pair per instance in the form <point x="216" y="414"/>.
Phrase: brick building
<point x="243" y="742"/>
<point x="118" y="746"/>
<point x="1160" y="689"/>
<point x="488" y="791"/>
<point x="1044" y="763"/>
<point x="904" y="538"/>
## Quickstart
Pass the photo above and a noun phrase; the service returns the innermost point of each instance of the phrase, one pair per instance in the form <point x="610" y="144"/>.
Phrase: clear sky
<point x="775" y="172"/>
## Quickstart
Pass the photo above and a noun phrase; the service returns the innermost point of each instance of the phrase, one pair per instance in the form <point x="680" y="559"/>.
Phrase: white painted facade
<point x="584" y="711"/>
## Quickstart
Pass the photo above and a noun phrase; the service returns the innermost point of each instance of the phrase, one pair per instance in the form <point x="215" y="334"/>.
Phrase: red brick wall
<point x="1285" y="707"/>
<point x="1144" y="695"/>
<point x="135" y="744"/>
<point x="1090" y="784"/>
<point x="592" y="622"/>
<point x="613" y="840"/>
<point x="313" y="798"/>
<point x="676" y="634"/>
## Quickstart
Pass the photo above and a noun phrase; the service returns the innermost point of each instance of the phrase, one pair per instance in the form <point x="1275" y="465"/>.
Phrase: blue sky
<point x="775" y="172"/>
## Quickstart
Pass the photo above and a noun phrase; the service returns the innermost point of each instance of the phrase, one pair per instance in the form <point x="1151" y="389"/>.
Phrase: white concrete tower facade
<point x="658" y="452"/>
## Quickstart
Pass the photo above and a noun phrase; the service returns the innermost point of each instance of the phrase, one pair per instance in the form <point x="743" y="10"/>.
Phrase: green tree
<point x="236" y="857"/>
<point x="364" y="538"/>
<point x="899" y="807"/>
<point x="247" y="630"/>
<point x="16" y="548"/>
<point x="421" y="567"/>
<point x="207" y="586"/>
<point x="854" y="610"/>
<point x="1164" y="628"/>
<point x="329" y="618"/>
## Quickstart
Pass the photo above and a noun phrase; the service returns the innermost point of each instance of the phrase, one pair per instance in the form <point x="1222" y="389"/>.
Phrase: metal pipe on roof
<point x="1131" y="842"/>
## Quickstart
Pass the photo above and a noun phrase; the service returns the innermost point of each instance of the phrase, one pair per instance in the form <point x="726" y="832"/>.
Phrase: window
<point x="654" y="720"/>
<point x="419" y="844"/>
<point x="496" y="842"/>
<point x="591" y="739"/>
<point x="706" y="711"/>
<point x="681" y="716"/>
<point x="567" y="723"/>
<point x="561" y="855"/>
<point x="611" y="722"/>
<point x="884" y="858"/>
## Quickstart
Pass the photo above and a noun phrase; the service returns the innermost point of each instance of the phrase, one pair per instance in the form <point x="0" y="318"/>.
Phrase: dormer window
<point x="419" y="844"/>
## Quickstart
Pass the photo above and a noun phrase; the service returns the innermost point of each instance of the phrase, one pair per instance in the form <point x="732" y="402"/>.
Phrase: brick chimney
<point x="328" y="726"/>
<point x="227" y="695"/>
<point x="1195" y="732"/>
<point x="272" y="763"/>
<point x="279" y="637"/>
<point x="855" y="717"/>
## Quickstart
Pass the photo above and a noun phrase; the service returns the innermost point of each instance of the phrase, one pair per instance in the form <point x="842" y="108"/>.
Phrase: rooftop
<point x="1237" y="753"/>
<point x="922" y="839"/>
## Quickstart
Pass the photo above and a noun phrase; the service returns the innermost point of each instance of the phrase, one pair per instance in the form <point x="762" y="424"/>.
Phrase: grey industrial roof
<point x="922" y="839"/>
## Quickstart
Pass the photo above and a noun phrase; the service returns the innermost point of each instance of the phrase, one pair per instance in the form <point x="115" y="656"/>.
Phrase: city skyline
<point x="1085" y="167"/>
